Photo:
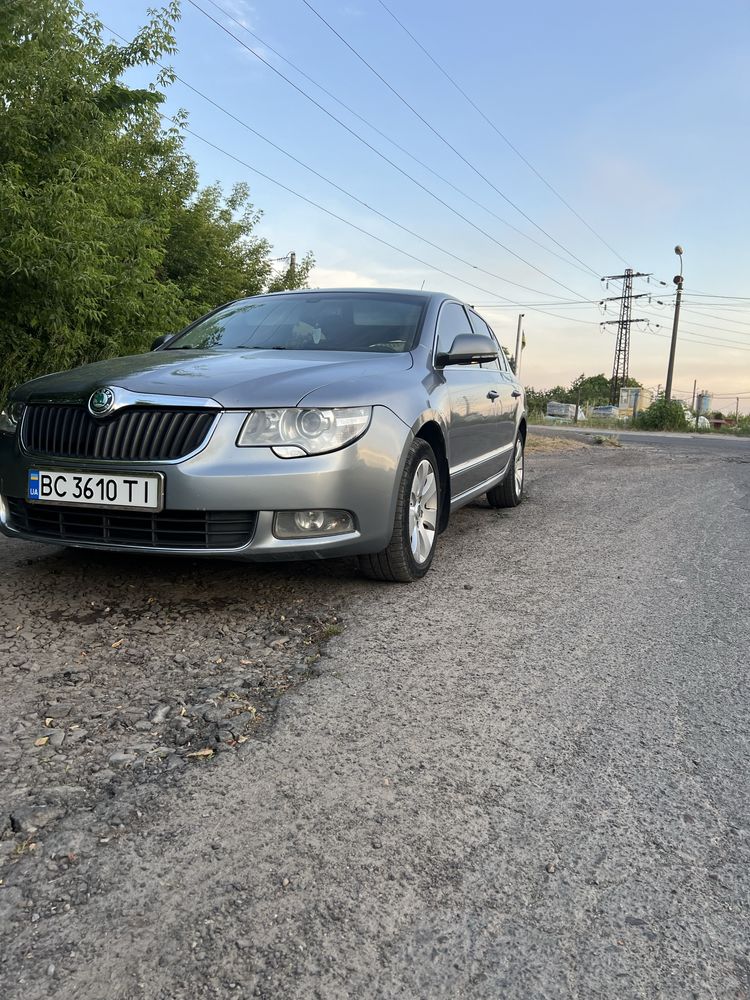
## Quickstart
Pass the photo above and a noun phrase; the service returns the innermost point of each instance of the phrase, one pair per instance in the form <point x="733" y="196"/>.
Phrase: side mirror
<point x="161" y="341"/>
<point x="468" y="348"/>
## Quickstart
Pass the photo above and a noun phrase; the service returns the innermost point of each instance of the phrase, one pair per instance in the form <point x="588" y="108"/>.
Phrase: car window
<point x="315" y="321"/>
<point x="483" y="330"/>
<point x="501" y="355"/>
<point x="452" y="322"/>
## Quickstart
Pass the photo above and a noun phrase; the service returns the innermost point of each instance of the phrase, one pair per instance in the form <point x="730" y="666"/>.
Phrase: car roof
<point x="421" y="293"/>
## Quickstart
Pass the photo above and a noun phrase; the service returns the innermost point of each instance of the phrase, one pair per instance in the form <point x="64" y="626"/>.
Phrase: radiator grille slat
<point x="175" y="529"/>
<point x="135" y="434"/>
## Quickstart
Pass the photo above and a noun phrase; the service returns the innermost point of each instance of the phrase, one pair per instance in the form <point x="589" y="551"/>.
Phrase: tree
<point x="105" y="237"/>
<point x="662" y="415"/>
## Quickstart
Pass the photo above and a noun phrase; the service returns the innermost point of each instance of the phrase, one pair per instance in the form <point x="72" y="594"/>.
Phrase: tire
<point x="509" y="491"/>
<point x="415" y="528"/>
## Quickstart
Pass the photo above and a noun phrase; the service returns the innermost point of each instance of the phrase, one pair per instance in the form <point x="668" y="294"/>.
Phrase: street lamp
<point x="519" y="345"/>
<point x="672" y="347"/>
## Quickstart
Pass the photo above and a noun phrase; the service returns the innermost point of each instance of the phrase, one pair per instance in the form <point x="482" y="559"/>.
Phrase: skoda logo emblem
<point x="101" y="402"/>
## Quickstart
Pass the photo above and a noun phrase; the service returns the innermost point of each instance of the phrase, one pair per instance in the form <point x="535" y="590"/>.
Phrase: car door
<point x="472" y="392"/>
<point x="506" y="403"/>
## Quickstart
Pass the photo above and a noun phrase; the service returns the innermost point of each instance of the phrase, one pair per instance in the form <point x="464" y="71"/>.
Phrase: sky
<point x="605" y="136"/>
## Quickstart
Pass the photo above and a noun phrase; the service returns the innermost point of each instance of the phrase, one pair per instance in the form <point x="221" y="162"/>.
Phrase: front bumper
<point x="361" y="478"/>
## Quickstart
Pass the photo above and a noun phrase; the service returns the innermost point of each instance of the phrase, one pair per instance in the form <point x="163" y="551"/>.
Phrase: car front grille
<point x="135" y="434"/>
<point x="169" y="529"/>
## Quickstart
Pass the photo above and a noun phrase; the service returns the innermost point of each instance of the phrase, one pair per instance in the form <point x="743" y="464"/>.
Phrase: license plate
<point x="81" y="489"/>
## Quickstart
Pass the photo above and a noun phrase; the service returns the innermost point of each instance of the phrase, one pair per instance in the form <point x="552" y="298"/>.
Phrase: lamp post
<point x="519" y="344"/>
<point x="673" y="346"/>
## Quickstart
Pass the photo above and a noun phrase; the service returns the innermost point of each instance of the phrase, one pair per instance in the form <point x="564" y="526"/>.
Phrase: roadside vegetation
<point x="595" y="390"/>
<point x="586" y="390"/>
<point x="662" y="415"/>
<point x="735" y="426"/>
<point x="106" y="237"/>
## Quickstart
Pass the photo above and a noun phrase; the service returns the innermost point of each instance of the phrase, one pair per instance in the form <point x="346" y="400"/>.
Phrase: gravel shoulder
<point x="522" y="777"/>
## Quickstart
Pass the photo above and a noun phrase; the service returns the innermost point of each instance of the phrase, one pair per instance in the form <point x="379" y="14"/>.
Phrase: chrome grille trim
<point x="137" y="434"/>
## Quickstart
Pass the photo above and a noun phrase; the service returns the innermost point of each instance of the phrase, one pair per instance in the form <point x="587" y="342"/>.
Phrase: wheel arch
<point x="432" y="433"/>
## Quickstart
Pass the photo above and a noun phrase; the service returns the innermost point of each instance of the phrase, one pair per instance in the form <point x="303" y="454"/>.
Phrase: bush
<point x="106" y="238"/>
<point x="662" y="416"/>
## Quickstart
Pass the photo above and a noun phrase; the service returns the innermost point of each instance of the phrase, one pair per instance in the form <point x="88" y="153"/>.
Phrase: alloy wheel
<point x="518" y="466"/>
<point x="423" y="503"/>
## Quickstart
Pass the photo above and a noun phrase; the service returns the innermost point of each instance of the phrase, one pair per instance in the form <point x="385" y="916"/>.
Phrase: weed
<point x="609" y="440"/>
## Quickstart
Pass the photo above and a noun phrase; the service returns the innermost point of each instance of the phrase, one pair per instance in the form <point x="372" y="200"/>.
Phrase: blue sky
<point x="638" y="116"/>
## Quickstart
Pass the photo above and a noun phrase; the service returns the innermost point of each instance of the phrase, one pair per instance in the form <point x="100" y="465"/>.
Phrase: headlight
<point x="295" y="432"/>
<point x="10" y="417"/>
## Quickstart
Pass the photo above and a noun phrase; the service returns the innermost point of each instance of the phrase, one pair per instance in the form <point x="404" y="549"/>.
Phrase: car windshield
<point x="386" y="323"/>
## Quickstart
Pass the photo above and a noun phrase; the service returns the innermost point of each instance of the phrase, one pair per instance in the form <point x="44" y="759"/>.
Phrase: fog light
<point x="312" y="523"/>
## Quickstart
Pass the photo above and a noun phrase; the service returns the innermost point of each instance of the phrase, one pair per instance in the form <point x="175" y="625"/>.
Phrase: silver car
<point x="294" y="425"/>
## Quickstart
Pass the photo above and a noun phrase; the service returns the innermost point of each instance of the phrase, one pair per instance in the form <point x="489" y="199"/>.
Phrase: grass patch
<point x="536" y="444"/>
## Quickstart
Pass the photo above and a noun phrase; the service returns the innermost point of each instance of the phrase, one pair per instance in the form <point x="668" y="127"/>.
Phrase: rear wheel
<point x="509" y="491"/>
<point x="412" y="545"/>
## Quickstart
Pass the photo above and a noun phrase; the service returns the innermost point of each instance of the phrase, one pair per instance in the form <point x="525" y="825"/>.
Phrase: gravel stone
<point x="555" y="710"/>
<point x="29" y="819"/>
<point x="122" y="758"/>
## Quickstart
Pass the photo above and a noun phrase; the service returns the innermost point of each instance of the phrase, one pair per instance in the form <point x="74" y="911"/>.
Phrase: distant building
<point x="705" y="402"/>
<point x="563" y="411"/>
<point x="633" y="397"/>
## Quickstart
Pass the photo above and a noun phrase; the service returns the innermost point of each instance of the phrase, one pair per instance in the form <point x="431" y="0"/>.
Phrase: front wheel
<point x="509" y="491"/>
<point x="412" y="545"/>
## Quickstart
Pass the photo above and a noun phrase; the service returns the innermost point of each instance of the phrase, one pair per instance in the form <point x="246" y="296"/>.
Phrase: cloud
<point x="329" y="277"/>
<point x="240" y="10"/>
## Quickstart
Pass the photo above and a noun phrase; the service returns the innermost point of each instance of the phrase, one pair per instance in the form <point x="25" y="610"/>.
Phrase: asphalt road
<point x="525" y="777"/>
<point x="677" y="441"/>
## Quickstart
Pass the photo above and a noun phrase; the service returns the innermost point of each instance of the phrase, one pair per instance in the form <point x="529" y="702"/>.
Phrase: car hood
<point x="234" y="379"/>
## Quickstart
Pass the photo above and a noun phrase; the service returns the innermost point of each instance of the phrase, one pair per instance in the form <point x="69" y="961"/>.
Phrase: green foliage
<point x="592" y="389"/>
<point x="662" y="416"/>
<point x="106" y="239"/>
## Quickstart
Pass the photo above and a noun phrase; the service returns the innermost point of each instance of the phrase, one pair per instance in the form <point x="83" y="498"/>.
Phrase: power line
<point x="425" y="166"/>
<point x="440" y="136"/>
<point x="348" y="222"/>
<point x="704" y="339"/>
<point x="380" y="154"/>
<point x="502" y="135"/>
<point x="706" y="326"/>
<point x="707" y="295"/>
<point x="338" y="187"/>
<point x="724" y="319"/>
<point x="562" y="302"/>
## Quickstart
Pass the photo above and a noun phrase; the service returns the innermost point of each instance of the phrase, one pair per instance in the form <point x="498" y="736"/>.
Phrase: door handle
<point x="515" y="394"/>
<point x="492" y="394"/>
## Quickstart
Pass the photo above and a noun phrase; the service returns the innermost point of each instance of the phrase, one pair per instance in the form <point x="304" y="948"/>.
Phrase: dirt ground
<point x="521" y="777"/>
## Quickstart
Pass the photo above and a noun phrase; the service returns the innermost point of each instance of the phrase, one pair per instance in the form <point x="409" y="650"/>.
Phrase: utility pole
<point x="292" y="267"/>
<point x="622" y="347"/>
<point x="673" y="346"/>
<point x="695" y="386"/>
<point x="636" y="401"/>
<point x="737" y="411"/>
<point x="518" y="345"/>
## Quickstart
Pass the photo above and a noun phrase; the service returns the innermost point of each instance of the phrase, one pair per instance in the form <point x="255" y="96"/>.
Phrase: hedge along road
<point x="523" y="777"/>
